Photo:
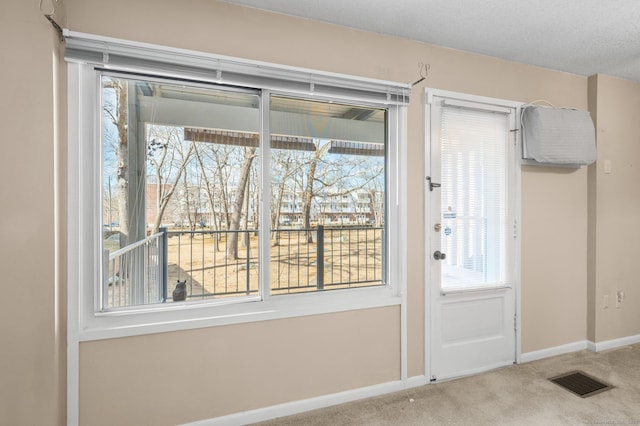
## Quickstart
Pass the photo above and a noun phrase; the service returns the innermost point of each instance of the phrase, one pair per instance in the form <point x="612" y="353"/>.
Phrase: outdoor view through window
<point x="182" y="191"/>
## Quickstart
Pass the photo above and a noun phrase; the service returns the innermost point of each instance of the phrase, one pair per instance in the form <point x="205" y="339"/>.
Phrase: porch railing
<point x="134" y="275"/>
<point x="302" y="260"/>
<point x="203" y="258"/>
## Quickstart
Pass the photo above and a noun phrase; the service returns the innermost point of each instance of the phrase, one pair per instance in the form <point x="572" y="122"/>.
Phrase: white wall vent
<point x="557" y="136"/>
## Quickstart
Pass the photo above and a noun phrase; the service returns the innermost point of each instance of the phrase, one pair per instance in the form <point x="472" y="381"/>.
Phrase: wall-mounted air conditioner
<point x="557" y="136"/>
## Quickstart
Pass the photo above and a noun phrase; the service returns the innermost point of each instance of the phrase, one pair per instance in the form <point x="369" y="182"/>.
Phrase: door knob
<point x="437" y="255"/>
<point x="431" y="184"/>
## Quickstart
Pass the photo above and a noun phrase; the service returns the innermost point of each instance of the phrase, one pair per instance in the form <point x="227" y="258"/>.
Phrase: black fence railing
<point x="225" y="263"/>
<point x="205" y="260"/>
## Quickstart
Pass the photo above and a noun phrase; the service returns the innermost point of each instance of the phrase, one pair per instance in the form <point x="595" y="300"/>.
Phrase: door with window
<point x="471" y="236"/>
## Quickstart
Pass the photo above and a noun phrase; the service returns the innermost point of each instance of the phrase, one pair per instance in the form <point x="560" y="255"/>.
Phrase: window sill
<point x="201" y="315"/>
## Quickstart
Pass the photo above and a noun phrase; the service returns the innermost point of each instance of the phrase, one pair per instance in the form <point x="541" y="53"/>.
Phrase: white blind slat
<point x="473" y="195"/>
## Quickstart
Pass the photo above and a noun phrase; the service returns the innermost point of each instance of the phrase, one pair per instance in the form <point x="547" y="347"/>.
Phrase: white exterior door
<point x="471" y="234"/>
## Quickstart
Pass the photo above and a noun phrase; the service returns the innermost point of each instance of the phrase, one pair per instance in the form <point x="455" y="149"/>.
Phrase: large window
<point x="210" y="190"/>
<point x="328" y="195"/>
<point x="182" y="190"/>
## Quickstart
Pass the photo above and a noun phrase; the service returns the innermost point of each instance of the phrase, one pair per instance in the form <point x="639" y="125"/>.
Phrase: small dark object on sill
<point x="180" y="292"/>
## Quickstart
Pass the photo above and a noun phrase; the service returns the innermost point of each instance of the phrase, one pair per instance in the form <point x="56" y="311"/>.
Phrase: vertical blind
<point x="474" y="145"/>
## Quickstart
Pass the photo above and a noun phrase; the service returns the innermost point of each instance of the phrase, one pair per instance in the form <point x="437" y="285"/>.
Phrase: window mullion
<point x="265" y="196"/>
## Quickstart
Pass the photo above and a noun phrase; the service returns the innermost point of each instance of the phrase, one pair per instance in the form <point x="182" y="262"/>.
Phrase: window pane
<point x="473" y="197"/>
<point x="328" y="195"/>
<point x="180" y="189"/>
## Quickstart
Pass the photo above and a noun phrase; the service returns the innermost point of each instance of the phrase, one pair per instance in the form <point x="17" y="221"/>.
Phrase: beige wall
<point x="615" y="210"/>
<point x="554" y="252"/>
<point x="201" y="374"/>
<point x="32" y="373"/>
<point x="336" y="352"/>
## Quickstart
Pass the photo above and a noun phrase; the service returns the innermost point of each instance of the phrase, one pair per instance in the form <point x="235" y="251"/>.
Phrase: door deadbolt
<point x="437" y="255"/>
<point x="437" y="227"/>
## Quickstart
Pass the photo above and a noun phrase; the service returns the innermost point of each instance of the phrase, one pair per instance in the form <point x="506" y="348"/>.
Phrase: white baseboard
<point x="615" y="343"/>
<point x="557" y="350"/>
<point x="290" y="408"/>
<point x="295" y="407"/>
<point x="578" y="346"/>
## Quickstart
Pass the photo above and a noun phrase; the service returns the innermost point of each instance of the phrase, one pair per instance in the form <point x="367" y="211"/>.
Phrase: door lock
<point x="437" y="255"/>
<point x="437" y="227"/>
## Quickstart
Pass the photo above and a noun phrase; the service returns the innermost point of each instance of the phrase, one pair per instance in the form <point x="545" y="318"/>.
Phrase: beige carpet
<point x="516" y="395"/>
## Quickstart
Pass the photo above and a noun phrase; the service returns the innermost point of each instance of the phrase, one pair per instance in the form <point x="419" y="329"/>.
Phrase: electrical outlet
<point x="619" y="298"/>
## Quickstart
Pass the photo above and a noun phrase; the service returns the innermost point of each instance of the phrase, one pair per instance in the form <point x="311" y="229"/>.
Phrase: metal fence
<point x="326" y="258"/>
<point x="226" y="263"/>
<point x="302" y="260"/>
<point x="203" y="258"/>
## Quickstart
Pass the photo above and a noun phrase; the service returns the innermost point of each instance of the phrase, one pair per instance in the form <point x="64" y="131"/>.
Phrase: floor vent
<point x="580" y="383"/>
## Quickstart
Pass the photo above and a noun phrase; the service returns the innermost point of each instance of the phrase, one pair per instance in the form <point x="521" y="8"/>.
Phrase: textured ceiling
<point x="578" y="36"/>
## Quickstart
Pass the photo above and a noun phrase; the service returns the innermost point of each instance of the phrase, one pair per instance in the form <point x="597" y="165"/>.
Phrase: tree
<point x="221" y="157"/>
<point x="215" y="169"/>
<point x="335" y="175"/>
<point x="166" y="154"/>
<point x="238" y="202"/>
<point x="285" y="165"/>
<point x="118" y="116"/>
<point x="308" y="194"/>
<point x="208" y="187"/>
<point x="189" y="203"/>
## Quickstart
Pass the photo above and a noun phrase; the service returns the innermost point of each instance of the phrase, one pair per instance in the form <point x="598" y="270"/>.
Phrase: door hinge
<point x="515" y="136"/>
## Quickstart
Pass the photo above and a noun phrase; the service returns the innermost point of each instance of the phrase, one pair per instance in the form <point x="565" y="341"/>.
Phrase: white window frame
<point x="84" y="218"/>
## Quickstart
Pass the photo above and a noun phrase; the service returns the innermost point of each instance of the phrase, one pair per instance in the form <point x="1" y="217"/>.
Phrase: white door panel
<point x="476" y="333"/>
<point x="489" y="313"/>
